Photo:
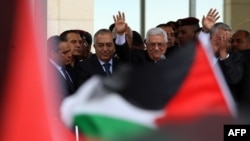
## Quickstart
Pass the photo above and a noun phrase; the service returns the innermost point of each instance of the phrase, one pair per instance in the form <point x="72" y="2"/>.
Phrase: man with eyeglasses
<point x="156" y="44"/>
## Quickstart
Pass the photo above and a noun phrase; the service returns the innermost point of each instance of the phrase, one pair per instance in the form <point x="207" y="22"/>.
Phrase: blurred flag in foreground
<point x="136" y="102"/>
<point x="28" y="110"/>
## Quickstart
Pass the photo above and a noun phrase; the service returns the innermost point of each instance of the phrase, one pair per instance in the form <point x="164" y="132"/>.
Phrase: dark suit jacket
<point x="140" y="57"/>
<point x="243" y="88"/>
<point x="61" y="83"/>
<point x="232" y="69"/>
<point x="72" y="71"/>
<point x="90" y="67"/>
<point x="135" y="56"/>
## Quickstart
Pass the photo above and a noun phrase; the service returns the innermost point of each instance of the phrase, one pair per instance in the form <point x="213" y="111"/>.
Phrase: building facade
<point x="236" y="14"/>
<point x="69" y="14"/>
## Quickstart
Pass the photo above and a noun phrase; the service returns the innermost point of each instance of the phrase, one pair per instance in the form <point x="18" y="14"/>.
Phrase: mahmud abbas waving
<point x="156" y="44"/>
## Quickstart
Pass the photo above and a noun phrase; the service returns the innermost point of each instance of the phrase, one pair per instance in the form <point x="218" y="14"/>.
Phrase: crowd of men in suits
<point x="73" y="64"/>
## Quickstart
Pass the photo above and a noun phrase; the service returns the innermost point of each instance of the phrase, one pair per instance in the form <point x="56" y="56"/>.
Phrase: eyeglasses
<point x="153" y="45"/>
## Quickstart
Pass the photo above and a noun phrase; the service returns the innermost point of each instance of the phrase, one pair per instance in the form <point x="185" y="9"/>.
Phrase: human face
<point x="185" y="34"/>
<point x="221" y="40"/>
<point x="170" y="33"/>
<point x="239" y="41"/>
<point x="75" y="43"/>
<point x="64" y="53"/>
<point x="104" y="46"/>
<point x="85" y="48"/>
<point x="156" y="47"/>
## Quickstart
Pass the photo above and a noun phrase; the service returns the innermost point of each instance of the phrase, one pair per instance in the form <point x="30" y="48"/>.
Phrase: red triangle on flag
<point x="201" y="93"/>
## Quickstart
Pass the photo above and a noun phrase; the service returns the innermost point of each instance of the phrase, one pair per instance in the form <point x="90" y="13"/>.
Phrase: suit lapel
<point x="97" y="66"/>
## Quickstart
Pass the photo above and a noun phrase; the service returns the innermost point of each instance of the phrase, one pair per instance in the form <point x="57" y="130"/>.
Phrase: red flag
<point x="202" y="93"/>
<point x="27" y="112"/>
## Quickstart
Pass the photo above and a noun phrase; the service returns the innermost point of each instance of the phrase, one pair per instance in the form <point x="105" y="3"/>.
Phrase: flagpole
<point x="76" y="132"/>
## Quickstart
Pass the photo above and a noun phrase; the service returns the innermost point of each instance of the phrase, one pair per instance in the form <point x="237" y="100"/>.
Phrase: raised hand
<point x="224" y="42"/>
<point x="209" y="21"/>
<point x="120" y="24"/>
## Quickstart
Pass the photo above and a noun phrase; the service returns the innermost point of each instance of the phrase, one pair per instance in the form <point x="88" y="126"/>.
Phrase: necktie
<point x="68" y="79"/>
<point x="107" y="68"/>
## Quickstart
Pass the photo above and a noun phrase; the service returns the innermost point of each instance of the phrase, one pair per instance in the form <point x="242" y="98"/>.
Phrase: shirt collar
<point x="55" y="64"/>
<point x="110" y="61"/>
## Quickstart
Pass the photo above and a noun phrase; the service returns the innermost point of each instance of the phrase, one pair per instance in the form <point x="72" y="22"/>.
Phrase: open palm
<point x="209" y="21"/>
<point x="120" y="24"/>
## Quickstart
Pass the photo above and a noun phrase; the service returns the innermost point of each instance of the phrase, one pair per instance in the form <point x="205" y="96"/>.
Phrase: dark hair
<point x="137" y="41"/>
<point x="64" y="34"/>
<point x="219" y="25"/>
<point x="161" y="25"/>
<point x="111" y="27"/>
<point x="101" y="31"/>
<point x="172" y="24"/>
<point x="53" y="43"/>
<point x="85" y="35"/>
<point x="88" y="37"/>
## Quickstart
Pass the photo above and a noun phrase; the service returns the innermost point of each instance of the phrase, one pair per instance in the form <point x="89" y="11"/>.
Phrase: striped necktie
<point x="68" y="79"/>
<point x="107" y="68"/>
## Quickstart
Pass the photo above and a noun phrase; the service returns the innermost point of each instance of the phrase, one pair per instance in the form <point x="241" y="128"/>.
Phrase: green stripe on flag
<point x="109" y="128"/>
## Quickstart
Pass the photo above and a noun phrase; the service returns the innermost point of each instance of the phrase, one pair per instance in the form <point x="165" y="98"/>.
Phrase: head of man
<point x="170" y="33"/>
<point x="186" y="29"/>
<point x="220" y="37"/>
<point x="156" y="43"/>
<point x="241" y="40"/>
<point x="59" y="51"/>
<point x="104" y="45"/>
<point x="74" y="39"/>
<point x="88" y="40"/>
<point x="86" y="43"/>
<point x="137" y="42"/>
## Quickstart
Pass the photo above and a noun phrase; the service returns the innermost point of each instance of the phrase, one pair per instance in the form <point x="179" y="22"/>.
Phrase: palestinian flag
<point x="136" y="101"/>
<point x="27" y="104"/>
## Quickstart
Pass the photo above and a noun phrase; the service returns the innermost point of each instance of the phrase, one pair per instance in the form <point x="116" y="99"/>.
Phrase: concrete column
<point x="236" y="14"/>
<point x="69" y="14"/>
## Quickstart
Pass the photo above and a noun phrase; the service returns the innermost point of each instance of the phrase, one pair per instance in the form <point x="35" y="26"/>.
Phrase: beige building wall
<point x="237" y="14"/>
<point x="69" y="14"/>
